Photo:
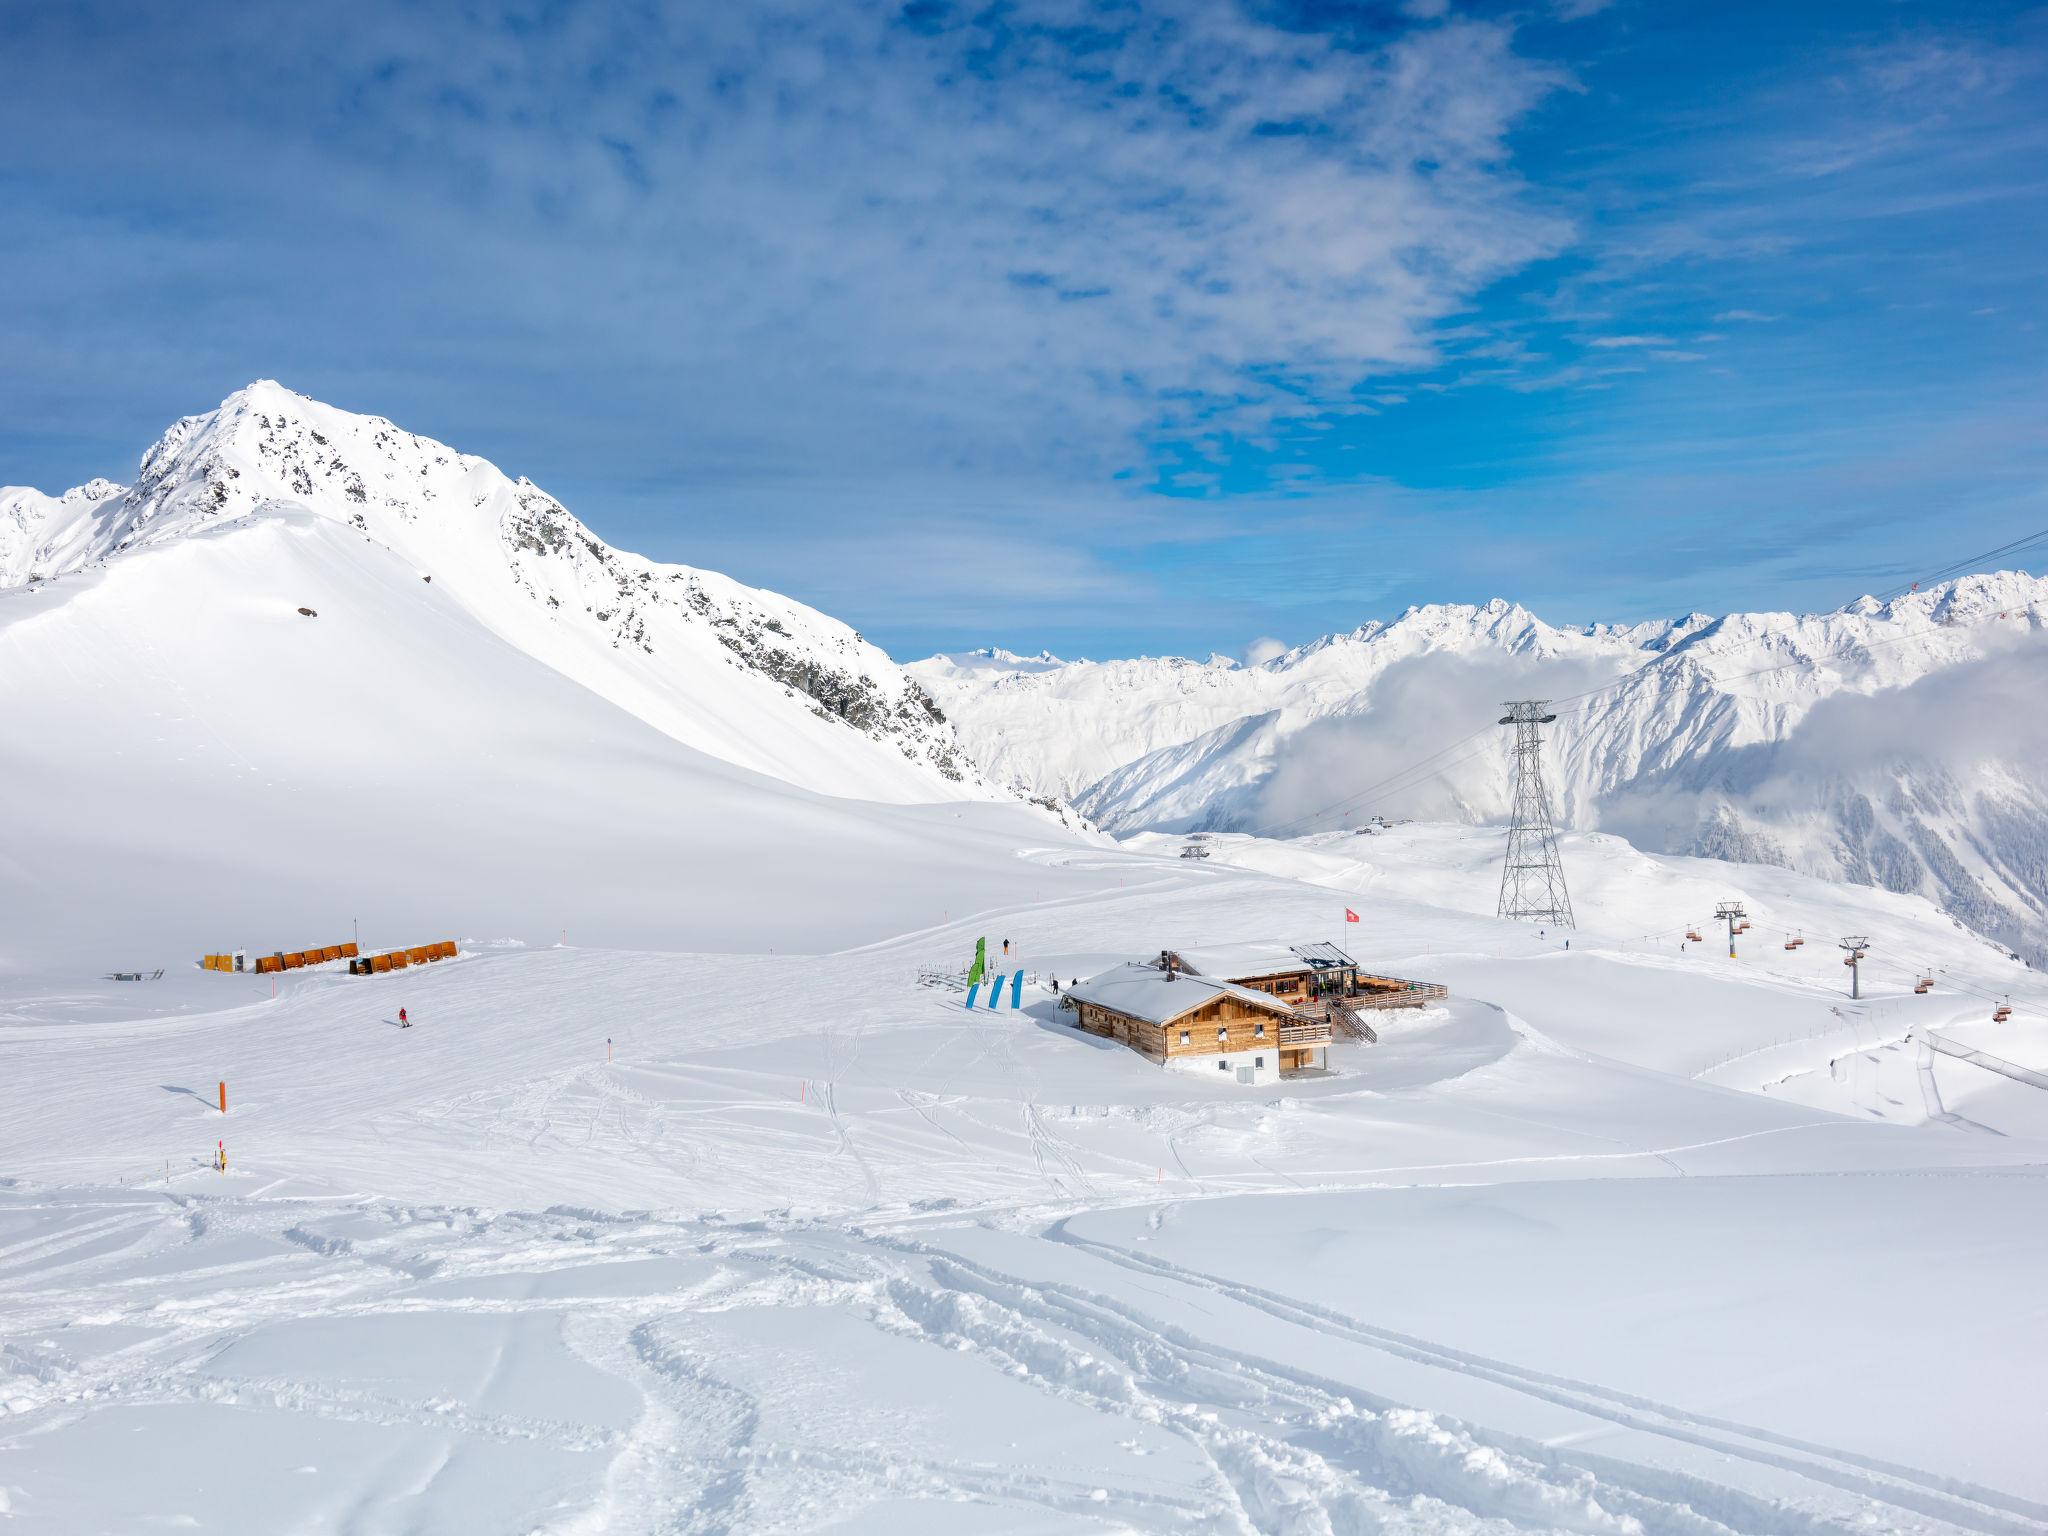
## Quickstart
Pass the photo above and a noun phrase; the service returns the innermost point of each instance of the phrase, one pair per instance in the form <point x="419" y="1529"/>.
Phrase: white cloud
<point x="1263" y="650"/>
<point x="1744" y="317"/>
<point x="1631" y="341"/>
<point x="1041" y="229"/>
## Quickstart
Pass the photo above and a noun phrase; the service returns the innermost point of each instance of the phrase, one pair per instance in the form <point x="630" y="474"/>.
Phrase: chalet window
<point x="1222" y="1034"/>
<point x="1183" y="1037"/>
<point x="1259" y="1061"/>
<point x="1258" y="1031"/>
<point x="1224" y="1065"/>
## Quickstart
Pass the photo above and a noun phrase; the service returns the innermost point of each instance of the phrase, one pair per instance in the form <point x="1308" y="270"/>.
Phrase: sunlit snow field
<point x="1633" y="1237"/>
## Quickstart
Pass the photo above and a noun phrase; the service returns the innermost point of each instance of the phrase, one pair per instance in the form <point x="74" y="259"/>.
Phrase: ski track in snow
<point x="893" y="1256"/>
<point x="1282" y="1448"/>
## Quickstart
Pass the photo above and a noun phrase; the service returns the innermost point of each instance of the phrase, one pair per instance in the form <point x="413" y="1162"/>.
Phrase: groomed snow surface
<point x="1630" y="1238"/>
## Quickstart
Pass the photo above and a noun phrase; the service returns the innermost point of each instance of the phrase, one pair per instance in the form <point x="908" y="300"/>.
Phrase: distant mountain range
<point x="1898" y="744"/>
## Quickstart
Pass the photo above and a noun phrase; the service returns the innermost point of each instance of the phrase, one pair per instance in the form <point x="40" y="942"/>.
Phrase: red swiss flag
<point x="1350" y="916"/>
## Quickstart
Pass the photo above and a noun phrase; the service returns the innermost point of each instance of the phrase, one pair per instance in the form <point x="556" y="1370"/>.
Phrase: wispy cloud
<point x="1137" y="323"/>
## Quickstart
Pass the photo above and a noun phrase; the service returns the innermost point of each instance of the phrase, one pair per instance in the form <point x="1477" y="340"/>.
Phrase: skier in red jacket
<point x="403" y="1021"/>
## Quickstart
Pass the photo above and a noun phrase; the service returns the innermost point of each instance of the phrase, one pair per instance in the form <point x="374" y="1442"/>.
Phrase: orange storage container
<point x="349" y="951"/>
<point x="293" y="961"/>
<point x="334" y="951"/>
<point x="379" y="964"/>
<point x="417" y="955"/>
<point x="398" y="959"/>
<point x="448" y="949"/>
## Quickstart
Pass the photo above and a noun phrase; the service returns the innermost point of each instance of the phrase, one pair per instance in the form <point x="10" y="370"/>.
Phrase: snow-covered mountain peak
<point x="743" y="674"/>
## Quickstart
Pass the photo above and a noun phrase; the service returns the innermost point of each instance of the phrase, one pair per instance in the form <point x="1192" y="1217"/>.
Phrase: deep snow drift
<point x="1891" y="744"/>
<point x="1624" y="1238"/>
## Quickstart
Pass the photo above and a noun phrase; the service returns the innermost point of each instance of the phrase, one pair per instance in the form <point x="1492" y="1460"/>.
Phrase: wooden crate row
<point x="399" y="959"/>
<point x="297" y="959"/>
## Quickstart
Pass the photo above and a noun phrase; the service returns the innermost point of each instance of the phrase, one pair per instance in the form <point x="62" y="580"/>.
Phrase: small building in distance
<point x="1257" y="1011"/>
<point x="1199" y="1023"/>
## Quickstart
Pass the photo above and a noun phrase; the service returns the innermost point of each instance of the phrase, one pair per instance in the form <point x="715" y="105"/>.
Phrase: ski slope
<point x="203" y="764"/>
<point x="818" y="1249"/>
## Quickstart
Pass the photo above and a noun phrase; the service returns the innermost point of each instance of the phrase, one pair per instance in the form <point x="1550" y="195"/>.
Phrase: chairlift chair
<point x="1692" y="935"/>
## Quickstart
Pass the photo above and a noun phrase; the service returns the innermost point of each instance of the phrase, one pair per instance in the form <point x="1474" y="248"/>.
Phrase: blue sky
<point x="1104" y="327"/>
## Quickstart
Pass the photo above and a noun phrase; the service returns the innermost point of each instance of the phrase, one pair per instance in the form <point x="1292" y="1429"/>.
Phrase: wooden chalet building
<point x="1198" y="1023"/>
<point x="1256" y="1011"/>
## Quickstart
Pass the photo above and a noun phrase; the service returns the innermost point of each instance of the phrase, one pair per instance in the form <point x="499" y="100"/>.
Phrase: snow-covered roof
<point x="1228" y="961"/>
<point x="1142" y="992"/>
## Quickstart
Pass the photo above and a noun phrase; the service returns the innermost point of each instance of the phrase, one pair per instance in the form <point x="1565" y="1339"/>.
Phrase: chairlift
<point x="1923" y="986"/>
<point x="1742" y="927"/>
<point x="2001" y="1013"/>
<point x="1794" y="943"/>
<point x="1692" y="935"/>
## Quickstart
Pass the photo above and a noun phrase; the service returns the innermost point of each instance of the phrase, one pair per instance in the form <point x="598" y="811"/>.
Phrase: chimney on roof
<point x="1166" y="960"/>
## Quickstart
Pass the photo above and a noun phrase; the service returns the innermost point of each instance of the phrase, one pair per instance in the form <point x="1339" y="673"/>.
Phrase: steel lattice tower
<point x="1532" y="882"/>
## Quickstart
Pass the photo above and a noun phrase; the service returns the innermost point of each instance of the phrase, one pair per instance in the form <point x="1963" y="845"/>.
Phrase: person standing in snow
<point x="403" y="1021"/>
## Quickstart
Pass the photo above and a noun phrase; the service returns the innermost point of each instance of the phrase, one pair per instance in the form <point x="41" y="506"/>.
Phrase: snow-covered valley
<point x="692" y="1196"/>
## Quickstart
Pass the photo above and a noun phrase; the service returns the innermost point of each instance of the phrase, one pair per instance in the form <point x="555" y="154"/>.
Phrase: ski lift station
<point x="1256" y="1012"/>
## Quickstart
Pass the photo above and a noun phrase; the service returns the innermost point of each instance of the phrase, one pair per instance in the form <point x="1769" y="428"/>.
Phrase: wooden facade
<point x="1223" y="1025"/>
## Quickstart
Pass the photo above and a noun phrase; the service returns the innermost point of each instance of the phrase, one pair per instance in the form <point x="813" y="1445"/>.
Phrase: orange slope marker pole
<point x="223" y="1098"/>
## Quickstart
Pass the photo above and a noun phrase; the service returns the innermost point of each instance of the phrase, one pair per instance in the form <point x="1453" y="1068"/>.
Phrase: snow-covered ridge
<point x="1886" y="743"/>
<point x="743" y="674"/>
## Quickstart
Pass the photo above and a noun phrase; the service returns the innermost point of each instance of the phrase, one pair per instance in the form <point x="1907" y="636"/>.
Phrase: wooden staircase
<point x="1351" y="1022"/>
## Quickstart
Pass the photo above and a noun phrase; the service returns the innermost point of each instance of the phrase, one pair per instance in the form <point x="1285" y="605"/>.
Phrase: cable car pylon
<point x="1532" y="880"/>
